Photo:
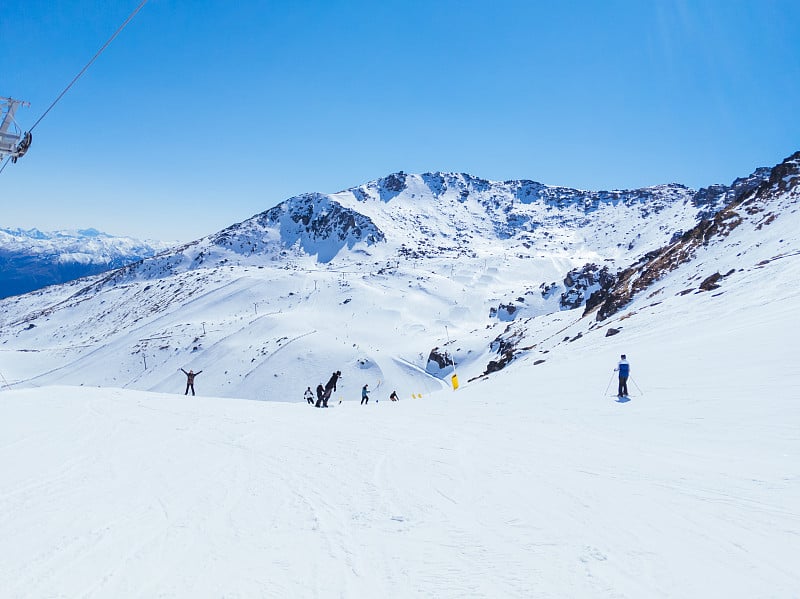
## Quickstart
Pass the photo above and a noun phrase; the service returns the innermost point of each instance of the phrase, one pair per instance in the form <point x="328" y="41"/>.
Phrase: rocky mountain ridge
<point x="756" y="202"/>
<point x="404" y="216"/>
<point x="749" y="229"/>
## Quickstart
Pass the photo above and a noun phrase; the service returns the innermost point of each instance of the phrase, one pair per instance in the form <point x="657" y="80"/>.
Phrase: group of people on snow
<point x="324" y="393"/>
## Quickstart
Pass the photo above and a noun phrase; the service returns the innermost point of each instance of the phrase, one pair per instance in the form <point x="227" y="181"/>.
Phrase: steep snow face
<point x="756" y="224"/>
<point x="32" y="259"/>
<point x="311" y="222"/>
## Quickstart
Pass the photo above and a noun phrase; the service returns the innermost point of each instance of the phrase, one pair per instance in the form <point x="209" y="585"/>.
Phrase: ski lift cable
<point x="83" y="70"/>
<point x="88" y="64"/>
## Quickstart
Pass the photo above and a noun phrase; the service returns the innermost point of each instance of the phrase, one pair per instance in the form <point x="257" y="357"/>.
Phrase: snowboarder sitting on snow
<point x="393" y="396"/>
<point x="190" y="379"/>
<point x="624" y="372"/>
<point x="330" y="387"/>
<point x="364" y="396"/>
<point x="309" y="396"/>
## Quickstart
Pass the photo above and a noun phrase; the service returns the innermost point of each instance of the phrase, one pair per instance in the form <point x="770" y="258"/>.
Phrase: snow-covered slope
<point x="529" y="480"/>
<point x="529" y="484"/>
<point x="445" y="259"/>
<point x="31" y="259"/>
<point x="721" y="255"/>
<point x="450" y="215"/>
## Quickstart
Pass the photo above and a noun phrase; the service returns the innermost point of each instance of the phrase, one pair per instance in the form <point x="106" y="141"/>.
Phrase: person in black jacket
<point x="190" y="379"/>
<point x="320" y="394"/>
<point x="330" y="387"/>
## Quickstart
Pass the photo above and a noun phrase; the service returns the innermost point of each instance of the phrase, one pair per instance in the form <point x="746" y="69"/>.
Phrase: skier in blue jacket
<point x="624" y="372"/>
<point x="364" y="395"/>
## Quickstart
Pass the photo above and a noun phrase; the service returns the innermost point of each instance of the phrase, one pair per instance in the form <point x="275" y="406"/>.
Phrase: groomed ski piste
<point x="532" y="481"/>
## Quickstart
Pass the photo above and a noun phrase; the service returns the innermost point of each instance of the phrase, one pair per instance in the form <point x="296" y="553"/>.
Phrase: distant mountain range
<point x="31" y="259"/>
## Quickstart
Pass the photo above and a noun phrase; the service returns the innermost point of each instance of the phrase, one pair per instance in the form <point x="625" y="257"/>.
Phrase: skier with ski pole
<point x="609" y="384"/>
<point x="624" y="369"/>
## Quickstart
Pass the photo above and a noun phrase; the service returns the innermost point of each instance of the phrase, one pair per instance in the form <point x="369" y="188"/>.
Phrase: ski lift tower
<point x="13" y="142"/>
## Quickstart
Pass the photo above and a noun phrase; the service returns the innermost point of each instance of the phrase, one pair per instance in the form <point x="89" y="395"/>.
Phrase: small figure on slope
<point x="309" y="396"/>
<point x="364" y="396"/>
<point x="190" y="379"/>
<point x="624" y="372"/>
<point x="393" y="396"/>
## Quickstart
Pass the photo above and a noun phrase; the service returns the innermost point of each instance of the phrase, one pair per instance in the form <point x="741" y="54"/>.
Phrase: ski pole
<point x="609" y="384"/>
<point x="5" y="382"/>
<point x="637" y="387"/>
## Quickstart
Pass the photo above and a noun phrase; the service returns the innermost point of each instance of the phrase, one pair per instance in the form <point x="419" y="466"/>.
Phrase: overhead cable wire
<point x="88" y="64"/>
<point x="83" y="70"/>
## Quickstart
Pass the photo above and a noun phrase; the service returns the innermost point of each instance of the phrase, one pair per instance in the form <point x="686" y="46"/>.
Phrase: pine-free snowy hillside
<point x="391" y="280"/>
<point x="756" y="231"/>
<point x="456" y="215"/>
<point x="531" y="480"/>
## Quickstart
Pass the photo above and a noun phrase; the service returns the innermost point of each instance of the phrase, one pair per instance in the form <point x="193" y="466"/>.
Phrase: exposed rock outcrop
<point x="749" y="201"/>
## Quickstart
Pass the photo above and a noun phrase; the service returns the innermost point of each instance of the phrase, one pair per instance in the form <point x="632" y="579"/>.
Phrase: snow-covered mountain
<point x="448" y="259"/>
<point x="31" y="259"/>
<point x="530" y="480"/>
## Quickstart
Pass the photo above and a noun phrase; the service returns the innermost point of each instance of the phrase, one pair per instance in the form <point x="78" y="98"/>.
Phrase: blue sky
<point x="203" y="113"/>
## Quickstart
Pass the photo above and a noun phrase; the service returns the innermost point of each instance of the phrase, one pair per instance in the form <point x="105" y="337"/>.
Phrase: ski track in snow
<point x="147" y="495"/>
<point x="532" y="482"/>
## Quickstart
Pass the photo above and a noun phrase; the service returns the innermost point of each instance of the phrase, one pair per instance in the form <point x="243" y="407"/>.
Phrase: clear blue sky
<point x="205" y="112"/>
